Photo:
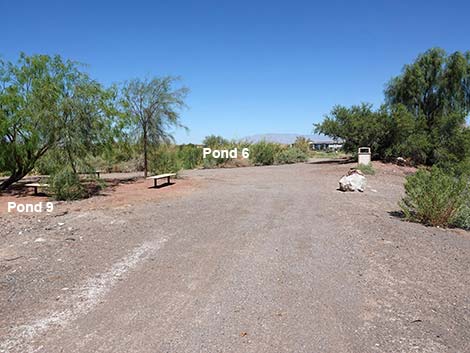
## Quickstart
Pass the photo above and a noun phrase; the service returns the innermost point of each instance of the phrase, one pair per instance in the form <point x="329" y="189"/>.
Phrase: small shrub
<point x="264" y="153"/>
<point x="436" y="198"/>
<point x="135" y="164"/>
<point x="165" y="160"/>
<point x="65" y="185"/>
<point x="367" y="169"/>
<point x="190" y="156"/>
<point x="302" y="144"/>
<point x="291" y="155"/>
<point x="211" y="162"/>
<point x="462" y="219"/>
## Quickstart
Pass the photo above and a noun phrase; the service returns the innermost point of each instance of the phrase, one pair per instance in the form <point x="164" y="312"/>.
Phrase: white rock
<point x="352" y="182"/>
<point x="39" y="240"/>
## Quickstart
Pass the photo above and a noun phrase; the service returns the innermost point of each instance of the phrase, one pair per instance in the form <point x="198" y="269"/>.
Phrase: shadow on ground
<point x="333" y="161"/>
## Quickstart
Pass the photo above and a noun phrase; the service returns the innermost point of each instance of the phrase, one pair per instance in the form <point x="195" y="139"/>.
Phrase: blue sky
<point x="252" y="66"/>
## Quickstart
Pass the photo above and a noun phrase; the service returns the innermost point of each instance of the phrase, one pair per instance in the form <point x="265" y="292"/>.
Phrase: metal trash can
<point x="363" y="155"/>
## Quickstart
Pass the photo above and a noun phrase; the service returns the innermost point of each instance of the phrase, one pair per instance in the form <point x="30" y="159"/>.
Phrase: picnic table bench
<point x="36" y="186"/>
<point x="161" y="176"/>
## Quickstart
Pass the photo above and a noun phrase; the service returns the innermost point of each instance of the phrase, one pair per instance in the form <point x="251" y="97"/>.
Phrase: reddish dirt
<point x="115" y="195"/>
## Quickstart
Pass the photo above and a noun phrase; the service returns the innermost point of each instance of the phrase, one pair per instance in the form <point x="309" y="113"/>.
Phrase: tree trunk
<point x="145" y="153"/>
<point x="22" y="171"/>
<point x="12" y="179"/>
<point x="72" y="164"/>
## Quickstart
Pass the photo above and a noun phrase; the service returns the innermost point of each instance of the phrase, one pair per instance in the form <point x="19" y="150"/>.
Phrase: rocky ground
<point x="265" y="259"/>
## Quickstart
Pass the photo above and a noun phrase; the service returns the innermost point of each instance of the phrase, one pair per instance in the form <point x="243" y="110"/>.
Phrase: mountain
<point x="285" y="139"/>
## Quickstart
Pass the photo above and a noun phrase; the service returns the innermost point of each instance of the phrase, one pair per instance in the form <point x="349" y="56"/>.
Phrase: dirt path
<point x="269" y="259"/>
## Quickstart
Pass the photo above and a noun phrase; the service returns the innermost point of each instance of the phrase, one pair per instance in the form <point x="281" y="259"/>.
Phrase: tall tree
<point x="423" y="116"/>
<point x="435" y="88"/>
<point x="152" y="107"/>
<point x="357" y="126"/>
<point x="46" y="103"/>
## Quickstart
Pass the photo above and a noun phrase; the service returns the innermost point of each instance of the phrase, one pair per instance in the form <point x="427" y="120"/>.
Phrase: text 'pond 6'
<point x="232" y="153"/>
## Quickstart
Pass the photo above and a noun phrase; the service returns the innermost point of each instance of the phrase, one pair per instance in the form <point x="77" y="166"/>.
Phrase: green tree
<point x="435" y="89"/>
<point x="151" y="108"/>
<point x="358" y="126"/>
<point x="46" y="104"/>
<point x="423" y="117"/>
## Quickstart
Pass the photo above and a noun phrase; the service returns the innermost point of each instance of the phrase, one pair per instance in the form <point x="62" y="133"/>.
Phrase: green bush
<point x="66" y="185"/>
<point x="291" y="155"/>
<point x="436" y="198"/>
<point x="462" y="220"/>
<point x="165" y="160"/>
<point x="215" y="141"/>
<point x="211" y="162"/>
<point x="264" y="153"/>
<point x="367" y="169"/>
<point x="190" y="156"/>
<point x="302" y="144"/>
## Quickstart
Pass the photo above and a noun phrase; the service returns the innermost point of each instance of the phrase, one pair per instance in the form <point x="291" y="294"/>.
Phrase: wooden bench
<point x="96" y="172"/>
<point x="36" y="186"/>
<point x="161" y="176"/>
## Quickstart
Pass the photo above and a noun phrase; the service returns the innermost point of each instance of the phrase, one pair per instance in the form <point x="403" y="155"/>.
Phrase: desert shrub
<point x="190" y="156"/>
<point x="291" y="155"/>
<point x="264" y="153"/>
<point x="99" y="163"/>
<point x="135" y="164"/>
<point x="462" y="219"/>
<point x="436" y="198"/>
<point x="303" y="144"/>
<point x="211" y="162"/>
<point x="165" y="160"/>
<point x="214" y="141"/>
<point x="367" y="169"/>
<point x="65" y="185"/>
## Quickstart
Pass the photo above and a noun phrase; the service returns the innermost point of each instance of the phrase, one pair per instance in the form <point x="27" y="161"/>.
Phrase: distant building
<point x="317" y="142"/>
<point x="326" y="145"/>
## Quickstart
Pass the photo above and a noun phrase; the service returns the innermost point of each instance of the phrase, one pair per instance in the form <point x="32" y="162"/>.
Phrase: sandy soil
<point x="267" y="259"/>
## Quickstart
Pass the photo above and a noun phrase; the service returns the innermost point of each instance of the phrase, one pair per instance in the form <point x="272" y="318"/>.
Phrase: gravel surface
<point x="265" y="259"/>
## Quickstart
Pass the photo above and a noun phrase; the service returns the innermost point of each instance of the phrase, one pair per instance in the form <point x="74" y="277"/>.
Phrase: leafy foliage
<point x="264" y="153"/>
<point x="423" y="118"/>
<point x="151" y="108"/>
<point x="436" y="198"/>
<point x="190" y="156"/>
<point x="291" y="155"/>
<point x="462" y="219"/>
<point x="214" y="141"/>
<point x="358" y="126"/>
<point x="302" y="144"/>
<point x="165" y="160"/>
<point x="65" y="185"/>
<point x="47" y="104"/>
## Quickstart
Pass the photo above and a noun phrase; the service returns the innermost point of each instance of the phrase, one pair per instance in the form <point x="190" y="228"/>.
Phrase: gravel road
<point x="266" y="259"/>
